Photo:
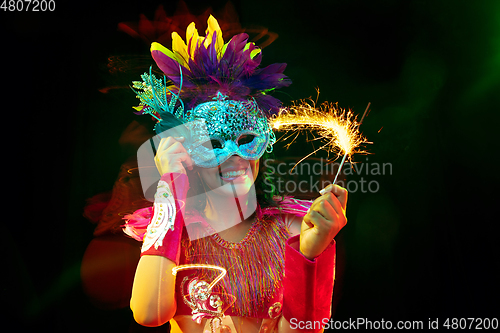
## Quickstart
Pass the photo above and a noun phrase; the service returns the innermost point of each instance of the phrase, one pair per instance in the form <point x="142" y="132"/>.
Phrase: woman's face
<point x="236" y="171"/>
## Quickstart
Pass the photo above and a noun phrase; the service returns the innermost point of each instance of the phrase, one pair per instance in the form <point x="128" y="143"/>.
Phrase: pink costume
<point x="266" y="275"/>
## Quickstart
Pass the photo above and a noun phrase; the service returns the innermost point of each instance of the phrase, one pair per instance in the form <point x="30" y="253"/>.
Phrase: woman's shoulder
<point x="289" y="211"/>
<point x="288" y="205"/>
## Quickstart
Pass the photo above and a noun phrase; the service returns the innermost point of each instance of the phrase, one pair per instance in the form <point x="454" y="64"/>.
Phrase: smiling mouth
<point x="233" y="174"/>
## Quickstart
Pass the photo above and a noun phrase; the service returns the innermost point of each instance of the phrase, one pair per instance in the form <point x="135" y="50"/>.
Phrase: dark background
<point x="424" y="246"/>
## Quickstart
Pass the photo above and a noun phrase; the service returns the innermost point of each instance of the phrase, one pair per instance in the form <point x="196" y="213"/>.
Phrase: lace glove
<point x="164" y="231"/>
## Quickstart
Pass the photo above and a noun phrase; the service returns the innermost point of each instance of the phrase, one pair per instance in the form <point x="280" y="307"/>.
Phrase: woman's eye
<point x="244" y="139"/>
<point x="213" y="144"/>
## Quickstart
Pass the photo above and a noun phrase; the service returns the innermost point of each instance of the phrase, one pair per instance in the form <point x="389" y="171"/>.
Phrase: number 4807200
<point x="28" y="5"/>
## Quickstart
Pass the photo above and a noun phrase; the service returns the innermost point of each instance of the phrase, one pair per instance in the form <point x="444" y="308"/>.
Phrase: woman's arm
<point x="153" y="293"/>
<point x="310" y="263"/>
<point x="308" y="288"/>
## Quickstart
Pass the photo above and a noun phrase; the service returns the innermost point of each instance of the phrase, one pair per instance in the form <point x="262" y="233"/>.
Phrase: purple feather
<point x="270" y="76"/>
<point x="170" y="68"/>
<point x="268" y="104"/>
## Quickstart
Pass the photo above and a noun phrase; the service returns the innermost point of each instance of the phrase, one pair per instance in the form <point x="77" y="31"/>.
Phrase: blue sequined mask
<point x="218" y="129"/>
<point x="223" y="128"/>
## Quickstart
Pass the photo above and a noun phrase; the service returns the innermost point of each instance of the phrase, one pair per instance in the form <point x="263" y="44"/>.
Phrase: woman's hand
<point x="171" y="156"/>
<point x="323" y="221"/>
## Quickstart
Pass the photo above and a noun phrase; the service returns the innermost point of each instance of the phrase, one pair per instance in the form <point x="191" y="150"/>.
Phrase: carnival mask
<point x="223" y="128"/>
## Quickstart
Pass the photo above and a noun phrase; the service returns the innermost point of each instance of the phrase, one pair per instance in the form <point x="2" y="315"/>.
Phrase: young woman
<point x="211" y="214"/>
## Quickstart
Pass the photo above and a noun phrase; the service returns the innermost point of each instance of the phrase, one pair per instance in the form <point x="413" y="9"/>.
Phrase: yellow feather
<point x="247" y="46"/>
<point x="200" y="41"/>
<point x="180" y="49"/>
<point x="193" y="36"/>
<point x="254" y="52"/>
<point x="224" y="49"/>
<point x="158" y="47"/>
<point x="213" y="25"/>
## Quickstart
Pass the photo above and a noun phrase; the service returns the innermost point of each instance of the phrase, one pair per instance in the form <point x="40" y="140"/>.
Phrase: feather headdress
<point x="206" y="65"/>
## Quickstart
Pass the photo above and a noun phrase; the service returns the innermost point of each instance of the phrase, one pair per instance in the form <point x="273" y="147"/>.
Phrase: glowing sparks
<point x="337" y="126"/>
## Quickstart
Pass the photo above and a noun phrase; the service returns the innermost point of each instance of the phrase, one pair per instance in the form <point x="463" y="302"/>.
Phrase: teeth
<point x="233" y="174"/>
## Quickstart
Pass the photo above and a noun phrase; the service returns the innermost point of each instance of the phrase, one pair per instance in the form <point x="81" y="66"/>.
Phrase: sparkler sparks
<point x="337" y="127"/>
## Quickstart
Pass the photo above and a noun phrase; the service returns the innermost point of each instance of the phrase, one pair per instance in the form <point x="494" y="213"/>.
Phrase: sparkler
<point x="338" y="127"/>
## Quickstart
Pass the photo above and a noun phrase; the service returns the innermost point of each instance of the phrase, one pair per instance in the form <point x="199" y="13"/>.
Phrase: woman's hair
<point x="264" y="188"/>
